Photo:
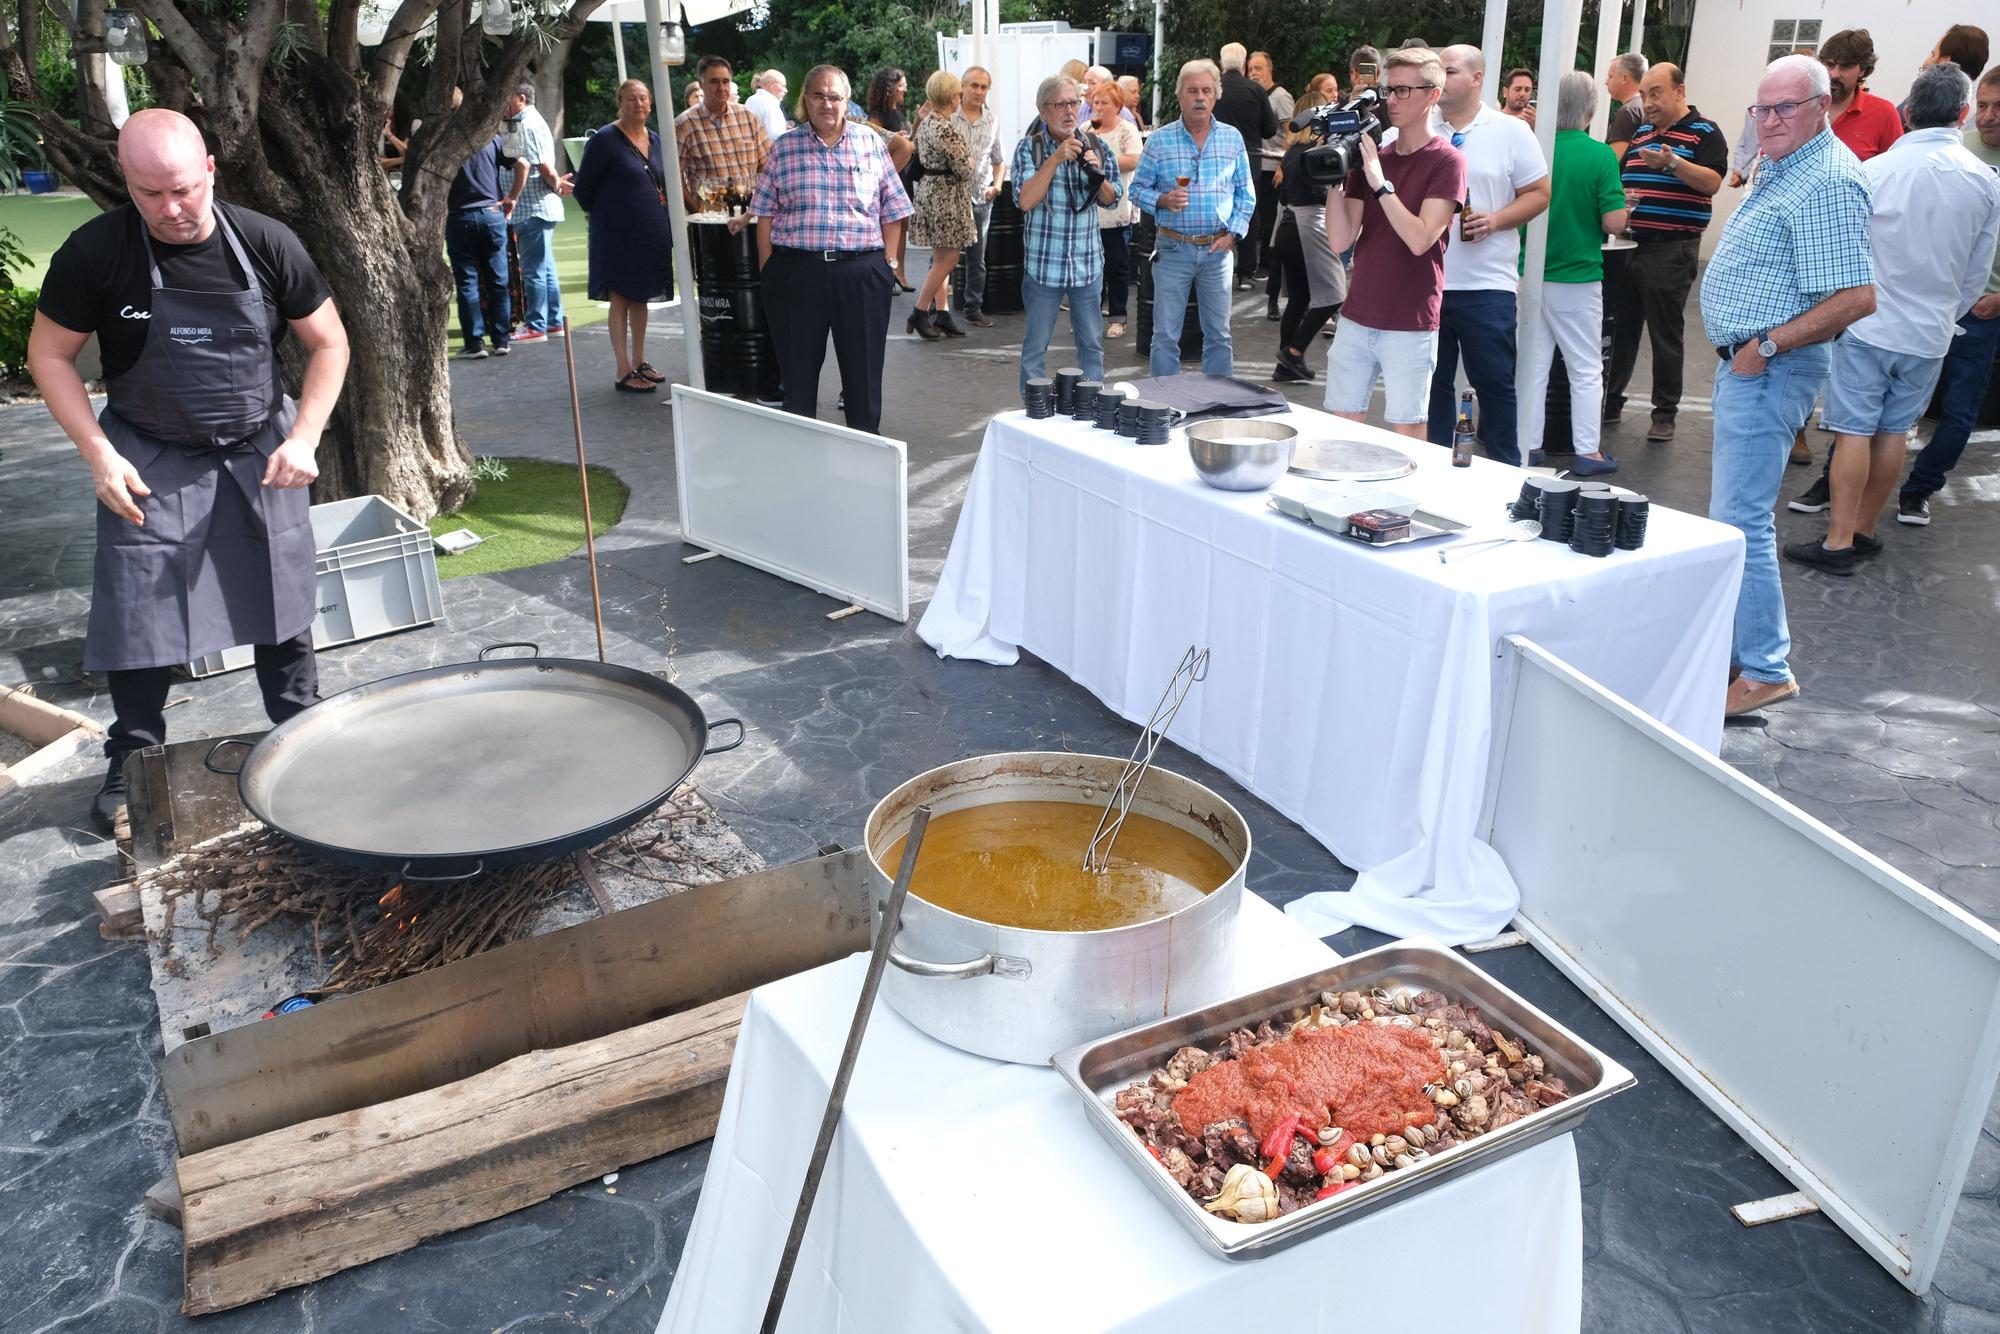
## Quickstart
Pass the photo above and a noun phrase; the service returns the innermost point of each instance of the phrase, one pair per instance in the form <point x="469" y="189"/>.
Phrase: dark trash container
<point x="1006" y="257"/>
<point x="737" y="354"/>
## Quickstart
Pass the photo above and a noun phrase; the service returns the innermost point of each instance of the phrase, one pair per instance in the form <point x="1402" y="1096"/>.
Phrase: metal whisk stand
<point x="1193" y="669"/>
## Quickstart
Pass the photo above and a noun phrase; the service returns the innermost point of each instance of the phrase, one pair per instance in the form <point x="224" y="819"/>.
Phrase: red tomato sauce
<point x="1364" y="1078"/>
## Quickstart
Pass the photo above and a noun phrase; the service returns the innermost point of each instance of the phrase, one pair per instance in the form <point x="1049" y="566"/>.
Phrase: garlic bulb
<point x="1248" y="1196"/>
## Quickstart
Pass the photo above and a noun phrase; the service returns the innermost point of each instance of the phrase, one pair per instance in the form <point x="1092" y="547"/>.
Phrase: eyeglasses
<point x="1779" y="110"/>
<point x="827" y="99"/>
<point x="1067" y="104"/>
<point x="1395" y="90"/>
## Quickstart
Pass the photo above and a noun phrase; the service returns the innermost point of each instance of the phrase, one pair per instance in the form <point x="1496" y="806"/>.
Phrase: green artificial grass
<point x="531" y="517"/>
<point x="43" y="222"/>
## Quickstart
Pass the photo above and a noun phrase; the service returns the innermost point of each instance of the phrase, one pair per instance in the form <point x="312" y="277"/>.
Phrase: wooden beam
<point x="294" y="1205"/>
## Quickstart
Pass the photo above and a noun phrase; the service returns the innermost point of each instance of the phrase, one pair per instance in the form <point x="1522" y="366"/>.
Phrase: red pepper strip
<point x="1327" y="1160"/>
<point x="1330" y="1191"/>
<point x="1278" y="1144"/>
<point x="1274" y="1167"/>
<point x="1154" y="1150"/>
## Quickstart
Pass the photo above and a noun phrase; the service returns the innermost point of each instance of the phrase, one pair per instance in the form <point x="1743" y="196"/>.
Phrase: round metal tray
<point x="1350" y="461"/>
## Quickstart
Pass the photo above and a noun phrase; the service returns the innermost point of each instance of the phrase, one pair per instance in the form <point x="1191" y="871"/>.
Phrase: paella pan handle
<point x="406" y="873"/>
<point x="208" y="761"/>
<point x="534" y="650"/>
<point x="736" y="723"/>
<point x="998" y="965"/>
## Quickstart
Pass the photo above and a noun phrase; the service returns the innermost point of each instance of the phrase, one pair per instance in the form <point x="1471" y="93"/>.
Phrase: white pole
<point x="1558" y="57"/>
<point x="1638" y="42"/>
<point x="1608" y="14"/>
<point x="1493" y="41"/>
<point x="666" y="105"/>
<point x="979" y="33"/>
<point x="1159" y="41"/>
<point x="618" y="47"/>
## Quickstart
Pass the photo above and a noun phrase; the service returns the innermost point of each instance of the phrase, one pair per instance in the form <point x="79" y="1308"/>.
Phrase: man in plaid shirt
<point x="829" y="212"/>
<point x="1059" y="181"/>
<point x="722" y="142"/>
<point x="537" y="199"/>
<point x="1791" y="271"/>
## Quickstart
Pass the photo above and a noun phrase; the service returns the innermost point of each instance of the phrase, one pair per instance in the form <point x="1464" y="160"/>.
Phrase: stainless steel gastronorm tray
<point x="1098" y="1070"/>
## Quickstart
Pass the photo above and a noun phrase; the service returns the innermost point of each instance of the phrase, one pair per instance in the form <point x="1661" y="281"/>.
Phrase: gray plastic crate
<point x="377" y="574"/>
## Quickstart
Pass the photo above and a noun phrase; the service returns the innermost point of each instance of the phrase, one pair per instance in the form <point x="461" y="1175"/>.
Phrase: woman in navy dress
<point x="622" y="185"/>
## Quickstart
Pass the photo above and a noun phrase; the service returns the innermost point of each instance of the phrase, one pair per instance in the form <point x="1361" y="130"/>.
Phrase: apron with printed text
<point x="222" y="559"/>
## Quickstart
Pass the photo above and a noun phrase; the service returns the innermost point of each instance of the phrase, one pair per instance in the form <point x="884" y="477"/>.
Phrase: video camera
<point x="1336" y="132"/>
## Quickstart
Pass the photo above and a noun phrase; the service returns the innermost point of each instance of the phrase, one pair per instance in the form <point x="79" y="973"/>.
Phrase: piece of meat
<point x="1298" y="1169"/>
<point x="1237" y="1043"/>
<point x="1207" y="1183"/>
<point x="1229" y="1143"/>
<point x="1179" y="1166"/>
<point x="1188" y="1062"/>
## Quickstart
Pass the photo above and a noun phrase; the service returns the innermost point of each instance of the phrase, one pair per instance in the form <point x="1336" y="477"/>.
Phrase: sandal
<point x="633" y="383"/>
<point x="644" y="370"/>
<point x="1116" y="330"/>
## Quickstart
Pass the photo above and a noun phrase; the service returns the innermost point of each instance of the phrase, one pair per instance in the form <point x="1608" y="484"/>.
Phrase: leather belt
<point x="825" y="256"/>
<point x="1185" y="239"/>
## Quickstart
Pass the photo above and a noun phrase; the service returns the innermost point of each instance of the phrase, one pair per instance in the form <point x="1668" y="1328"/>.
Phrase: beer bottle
<point x="1462" y="435"/>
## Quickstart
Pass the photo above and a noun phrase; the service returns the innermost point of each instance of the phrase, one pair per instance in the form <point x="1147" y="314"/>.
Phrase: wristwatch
<point x="1384" y="189"/>
<point x="1765" y="347"/>
<point x="894" y="263"/>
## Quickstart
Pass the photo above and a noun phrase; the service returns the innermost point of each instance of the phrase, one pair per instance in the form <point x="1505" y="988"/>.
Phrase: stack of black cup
<point x="1066" y="382"/>
<point x="1557" y="503"/>
<point x="1528" y="505"/>
<point x="1155" y="421"/>
<point x="1128" y="417"/>
<point x="1108" y="403"/>
<point x="1631" y="529"/>
<point x="1592" y="523"/>
<point x="1083" y="400"/>
<point x="1039" y="397"/>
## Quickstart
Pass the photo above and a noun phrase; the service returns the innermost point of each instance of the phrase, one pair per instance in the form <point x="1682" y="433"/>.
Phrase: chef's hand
<point x="117" y="482"/>
<point x="292" y="465"/>
<point x="1371" y="164"/>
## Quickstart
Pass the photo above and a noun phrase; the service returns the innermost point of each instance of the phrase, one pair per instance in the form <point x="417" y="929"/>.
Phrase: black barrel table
<point x="737" y="354"/>
<point x="1144" y="238"/>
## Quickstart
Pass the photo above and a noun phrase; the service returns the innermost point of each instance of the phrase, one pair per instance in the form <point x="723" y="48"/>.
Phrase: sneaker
<point x="1661" y="429"/>
<point x="109" y="803"/>
<point x="1817" y="555"/>
<point x="1913" y="509"/>
<point x="531" y="336"/>
<point x="559" y="331"/>
<point x="1866" y="547"/>
<point x="1814" y="501"/>
<point x="501" y="349"/>
<point x="1600" y="466"/>
<point x="978" y="319"/>
<point x="471" y="352"/>
<point x="1292" y="368"/>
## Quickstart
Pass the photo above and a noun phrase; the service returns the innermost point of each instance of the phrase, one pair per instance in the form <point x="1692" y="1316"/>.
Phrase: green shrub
<point x="17" y="317"/>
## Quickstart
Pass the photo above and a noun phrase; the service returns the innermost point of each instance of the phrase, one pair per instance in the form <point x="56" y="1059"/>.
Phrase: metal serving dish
<point x="1098" y="1070"/>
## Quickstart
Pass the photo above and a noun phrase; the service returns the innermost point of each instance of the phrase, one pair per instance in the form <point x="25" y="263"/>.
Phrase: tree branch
<point x="394" y="53"/>
<point x="195" y="55"/>
<point x="343" y="41"/>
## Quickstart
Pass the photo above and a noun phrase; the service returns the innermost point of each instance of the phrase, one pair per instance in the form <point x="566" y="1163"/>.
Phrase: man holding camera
<point x="1195" y="179"/>
<point x="1060" y="181"/>
<point x="1395" y="209"/>
<point x="1507" y="181"/>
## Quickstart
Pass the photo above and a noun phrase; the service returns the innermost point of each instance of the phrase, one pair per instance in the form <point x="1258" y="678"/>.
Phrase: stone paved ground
<point x="1895" y="743"/>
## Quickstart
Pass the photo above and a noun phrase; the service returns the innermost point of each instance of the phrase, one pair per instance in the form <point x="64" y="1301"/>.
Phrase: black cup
<point x="1083" y="400"/>
<point x="1591" y="523"/>
<point x="1066" y="382"/>
<point x="1128" y="418"/>
<point x="1557" y="504"/>
<point x="1108" y="403"/>
<point x="1630" y="532"/>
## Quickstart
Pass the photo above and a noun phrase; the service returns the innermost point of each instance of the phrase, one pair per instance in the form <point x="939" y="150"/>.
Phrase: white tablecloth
<point x="966" y="1194"/>
<point x="1350" y="688"/>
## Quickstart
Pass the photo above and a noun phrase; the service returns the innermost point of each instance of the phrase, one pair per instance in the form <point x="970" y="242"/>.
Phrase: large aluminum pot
<point x="1022" y="995"/>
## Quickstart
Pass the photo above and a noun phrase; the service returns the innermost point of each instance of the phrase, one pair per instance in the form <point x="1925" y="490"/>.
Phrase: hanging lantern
<point x="673" y="43"/>
<point x="125" y="36"/>
<point x="497" y="18"/>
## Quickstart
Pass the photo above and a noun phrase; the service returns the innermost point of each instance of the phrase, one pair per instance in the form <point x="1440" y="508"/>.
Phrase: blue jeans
<point x="1177" y="266"/>
<point x="475" y="241"/>
<point x="1756" y="417"/>
<point x="1085" y="321"/>
<point x="972" y="293"/>
<point x="540" y="287"/>
<point x="1481" y="325"/>
<point x="1968" y="366"/>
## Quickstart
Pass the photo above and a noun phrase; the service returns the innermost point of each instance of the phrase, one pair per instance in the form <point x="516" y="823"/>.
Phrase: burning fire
<point x="391" y="904"/>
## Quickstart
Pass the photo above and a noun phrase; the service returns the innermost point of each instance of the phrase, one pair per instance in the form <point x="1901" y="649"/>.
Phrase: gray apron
<point x="222" y="559"/>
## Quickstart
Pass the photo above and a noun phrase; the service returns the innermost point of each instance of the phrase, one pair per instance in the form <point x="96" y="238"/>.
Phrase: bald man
<point x="200" y="459"/>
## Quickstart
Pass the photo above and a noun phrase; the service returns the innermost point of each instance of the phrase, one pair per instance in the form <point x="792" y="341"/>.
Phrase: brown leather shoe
<point x="1662" y="428"/>
<point x="1747" y="695"/>
<point x="1801" y="452"/>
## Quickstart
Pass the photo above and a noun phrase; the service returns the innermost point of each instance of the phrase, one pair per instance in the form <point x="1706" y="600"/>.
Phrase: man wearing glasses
<point x="1791" y="271"/>
<point x="1194" y="178"/>
<point x="1061" y="177"/>
<point x="1396" y="212"/>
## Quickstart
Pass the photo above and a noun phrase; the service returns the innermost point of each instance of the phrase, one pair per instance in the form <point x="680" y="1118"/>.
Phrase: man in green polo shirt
<point x="1587" y="204"/>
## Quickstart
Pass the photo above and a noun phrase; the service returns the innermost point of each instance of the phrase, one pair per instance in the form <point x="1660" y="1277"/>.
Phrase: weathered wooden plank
<point x="118" y="909"/>
<point x="296" y="1204"/>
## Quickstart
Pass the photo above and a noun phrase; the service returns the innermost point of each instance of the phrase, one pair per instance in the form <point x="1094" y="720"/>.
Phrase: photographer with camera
<point x="1194" y="178"/>
<point x="1061" y="176"/>
<point x="1395" y="208"/>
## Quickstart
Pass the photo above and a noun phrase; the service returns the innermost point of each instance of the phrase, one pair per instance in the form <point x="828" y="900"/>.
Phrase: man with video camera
<point x="1395" y="208"/>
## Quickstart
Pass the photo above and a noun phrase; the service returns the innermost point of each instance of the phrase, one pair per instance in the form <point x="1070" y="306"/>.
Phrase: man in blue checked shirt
<point x="1791" y="271"/>
<point x="1059" y="182"/>
<point x="1196" y="181"/>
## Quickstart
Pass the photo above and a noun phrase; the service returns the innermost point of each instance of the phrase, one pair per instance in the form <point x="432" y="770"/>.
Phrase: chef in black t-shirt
<point x="200" y="459"/>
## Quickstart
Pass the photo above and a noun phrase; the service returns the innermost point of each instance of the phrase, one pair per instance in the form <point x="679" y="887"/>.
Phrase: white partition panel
<point x="1839" y="1016"/>
<point x="809" y="501"/>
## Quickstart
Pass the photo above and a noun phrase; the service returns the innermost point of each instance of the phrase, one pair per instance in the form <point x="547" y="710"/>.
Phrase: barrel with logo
<point x="736" y="350"/>
<point x="1144" y="238"/>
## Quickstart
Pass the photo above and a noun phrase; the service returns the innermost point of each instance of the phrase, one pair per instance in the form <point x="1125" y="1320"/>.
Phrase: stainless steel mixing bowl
<point x="1241" y="454"/>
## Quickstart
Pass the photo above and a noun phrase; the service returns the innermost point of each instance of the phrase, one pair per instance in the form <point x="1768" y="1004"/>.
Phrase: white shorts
<point x="1404" y="358"/>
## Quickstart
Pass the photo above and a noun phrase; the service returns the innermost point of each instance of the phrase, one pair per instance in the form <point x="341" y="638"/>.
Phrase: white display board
<point x="806" y="500"/>
<point x="1018" y="62"/>
<point x="1839" y="1016"/>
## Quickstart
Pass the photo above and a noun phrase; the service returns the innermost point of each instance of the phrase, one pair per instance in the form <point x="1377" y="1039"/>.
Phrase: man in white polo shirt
<point x="1508" y="184"/>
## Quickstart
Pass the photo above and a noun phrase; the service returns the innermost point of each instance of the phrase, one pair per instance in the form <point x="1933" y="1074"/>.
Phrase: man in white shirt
<point x="1507" y="183"/>
<point x="767" y="103"/>
<point x="1935" y="223"/>
<point x="981" y="128"/>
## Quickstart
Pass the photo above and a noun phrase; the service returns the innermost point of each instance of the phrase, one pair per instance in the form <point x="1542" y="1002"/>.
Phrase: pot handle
<point x="406" y="873"/>
<point x="998" y="965"/>
<point x="736" y="723"/>
<point x="208" y="761"/>
<point x="534" y="650"/>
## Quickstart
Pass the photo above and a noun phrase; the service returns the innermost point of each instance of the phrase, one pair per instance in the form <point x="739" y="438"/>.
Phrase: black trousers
<point x="1302" y="320"/>
<point x="1650" y="289"/>
<point x="809" y="298"/>
<point x="287" y="673"/>
<point x="1251" y="249"/>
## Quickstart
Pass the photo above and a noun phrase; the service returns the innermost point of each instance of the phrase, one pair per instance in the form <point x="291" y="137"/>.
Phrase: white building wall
<point x="1731" y="43"/>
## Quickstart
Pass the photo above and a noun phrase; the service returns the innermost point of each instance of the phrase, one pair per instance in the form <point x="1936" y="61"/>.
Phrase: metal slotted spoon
<point x="1193" y="669"/>
<point x="1520" y="530"/>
